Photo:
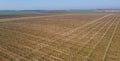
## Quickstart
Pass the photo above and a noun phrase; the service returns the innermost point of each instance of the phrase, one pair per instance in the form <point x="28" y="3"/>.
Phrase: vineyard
<point x="73" y="37"/>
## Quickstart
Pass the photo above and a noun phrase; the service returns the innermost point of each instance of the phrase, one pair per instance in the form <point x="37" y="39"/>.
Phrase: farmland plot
<point x="61" y="38"/>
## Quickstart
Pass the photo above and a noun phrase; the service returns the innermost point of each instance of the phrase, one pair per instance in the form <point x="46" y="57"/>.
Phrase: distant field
<point x="42" y="12"/>
<point x="72" y="37"/>
<point x="4" y="14"/>
<point x="14" y="13"/>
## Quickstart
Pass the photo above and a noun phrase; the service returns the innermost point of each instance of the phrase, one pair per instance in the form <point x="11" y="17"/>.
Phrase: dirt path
<point x="72" y="57"/>
<point x="98" y="43"/>
<point x="111" y="39"/>
<point x="77" y="28"/>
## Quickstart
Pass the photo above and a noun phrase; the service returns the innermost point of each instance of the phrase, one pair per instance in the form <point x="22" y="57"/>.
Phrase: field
<point x="15" y="12"/>
<point x="68" y="37"/>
